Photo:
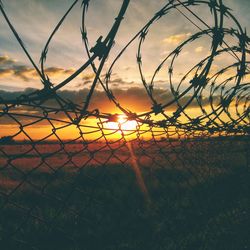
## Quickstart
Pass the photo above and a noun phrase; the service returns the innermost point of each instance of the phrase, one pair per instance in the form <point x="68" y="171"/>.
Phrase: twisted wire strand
<point x="68" y="179"/>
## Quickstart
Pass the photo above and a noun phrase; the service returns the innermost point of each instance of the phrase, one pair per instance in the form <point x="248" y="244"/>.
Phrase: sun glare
<point x="123" y="124"/>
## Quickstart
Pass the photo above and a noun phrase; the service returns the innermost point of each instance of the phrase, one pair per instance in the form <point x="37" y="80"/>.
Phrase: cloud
<point x="58" y="72"/>
<point x="87" y="78"/>
<point x="199" y="49"/>
<point x="134" y="99"/>
<point x="120" y="81"/>
<point x="23" y="72"/>
<point x="28" y="74"/>
<point x="176" y="39"/>
<point x="5" y="60"/>
<point x="116" y="82"/>
<point x="10" y="88"/>
<point x="6" y="73"/>
<point x="10" y="68"/>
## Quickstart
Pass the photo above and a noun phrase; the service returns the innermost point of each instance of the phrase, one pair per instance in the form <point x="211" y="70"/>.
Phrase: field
<point x="91" y="196"/>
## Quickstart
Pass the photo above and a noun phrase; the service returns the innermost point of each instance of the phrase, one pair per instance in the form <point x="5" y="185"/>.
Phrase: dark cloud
<point x="10" y="68"/>
<point x="134" y="99"/>
<point x="10" y="88"/>
<point x="23" y="72"/>
<point x="7" y="95"/>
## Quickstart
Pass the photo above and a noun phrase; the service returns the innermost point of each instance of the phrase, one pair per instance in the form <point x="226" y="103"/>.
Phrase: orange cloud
<point x="6" y="73"/>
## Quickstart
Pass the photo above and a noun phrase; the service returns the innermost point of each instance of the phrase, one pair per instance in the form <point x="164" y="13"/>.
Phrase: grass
<point x="103" y="208"/>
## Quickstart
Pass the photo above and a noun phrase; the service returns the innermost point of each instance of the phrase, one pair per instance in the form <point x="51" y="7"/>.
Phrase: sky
<point x="34" y="21"/>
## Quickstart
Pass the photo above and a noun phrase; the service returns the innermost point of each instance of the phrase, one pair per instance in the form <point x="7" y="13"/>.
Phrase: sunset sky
<point x="34" y="20"/>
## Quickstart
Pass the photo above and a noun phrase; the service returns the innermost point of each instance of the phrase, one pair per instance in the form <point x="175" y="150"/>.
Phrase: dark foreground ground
<point x="200" y="201"/>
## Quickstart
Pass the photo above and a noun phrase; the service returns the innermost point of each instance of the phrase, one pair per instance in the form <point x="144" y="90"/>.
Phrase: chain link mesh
<point x="171" y="180"/>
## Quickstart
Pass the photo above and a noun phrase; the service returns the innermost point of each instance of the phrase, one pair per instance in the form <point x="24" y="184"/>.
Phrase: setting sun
<point x="126" y="124"/>
<point x="123" y="124"/>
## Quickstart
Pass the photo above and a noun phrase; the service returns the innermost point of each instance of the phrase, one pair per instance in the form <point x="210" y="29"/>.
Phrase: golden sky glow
<point x="66" y="54"/>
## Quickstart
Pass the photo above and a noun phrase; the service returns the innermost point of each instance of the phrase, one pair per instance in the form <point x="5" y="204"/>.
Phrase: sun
<point x="126" y="124"/>
<point x="123" y="123"/>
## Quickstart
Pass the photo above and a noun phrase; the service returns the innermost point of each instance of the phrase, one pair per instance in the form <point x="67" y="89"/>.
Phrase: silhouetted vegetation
<point x="7" y="140"/>
<point x="103" y="208"/>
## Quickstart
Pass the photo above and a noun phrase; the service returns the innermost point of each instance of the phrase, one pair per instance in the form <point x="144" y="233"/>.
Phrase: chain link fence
<point x="161" y="179"/>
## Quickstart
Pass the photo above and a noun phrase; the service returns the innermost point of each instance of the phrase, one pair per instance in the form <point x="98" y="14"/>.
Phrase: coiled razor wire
<point x="73" y="194"/>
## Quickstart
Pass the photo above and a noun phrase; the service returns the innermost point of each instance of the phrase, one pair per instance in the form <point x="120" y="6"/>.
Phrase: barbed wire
<point x="200" y="75"/>
<point x="80" y="187"/>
